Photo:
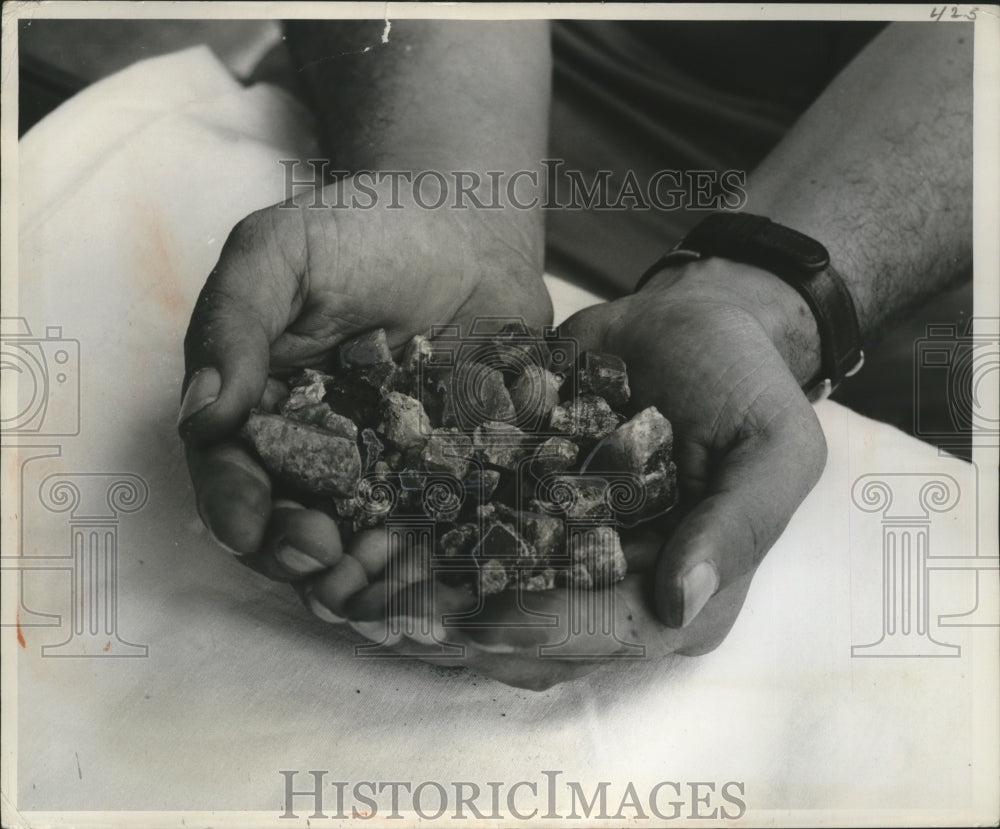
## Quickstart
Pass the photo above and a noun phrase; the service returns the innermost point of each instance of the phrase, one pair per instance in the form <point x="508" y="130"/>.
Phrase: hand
<point x="506" y="641"/>
<point x="709" y="345"/>
<point x="291" y="284"/>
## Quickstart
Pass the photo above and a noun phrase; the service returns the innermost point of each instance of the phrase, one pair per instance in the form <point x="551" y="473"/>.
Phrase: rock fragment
<point x="604" y="375"/>
<point x="641" y="445"/>
<point x="599" y="550"/>
<point x="500" y="445"/>
<point x="554" y="455"/>
<point x="404" y="422"/>
<point x="533" y="393"/>
<point x="585" y="419"/>
<point x="304" y="456"/>
<point x="447" y="450"/>
<point x="366" y="350"/>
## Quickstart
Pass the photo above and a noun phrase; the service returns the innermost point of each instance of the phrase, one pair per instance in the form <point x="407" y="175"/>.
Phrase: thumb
<point x="759" y="484"/>
<point x="244" y="306"/>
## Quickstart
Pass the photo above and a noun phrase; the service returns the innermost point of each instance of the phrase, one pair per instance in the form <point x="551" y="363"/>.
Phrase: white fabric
<point x="127" y="194"/>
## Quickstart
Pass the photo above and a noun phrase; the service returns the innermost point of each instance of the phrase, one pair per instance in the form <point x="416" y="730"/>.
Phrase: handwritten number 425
<point x="940" y="13"/>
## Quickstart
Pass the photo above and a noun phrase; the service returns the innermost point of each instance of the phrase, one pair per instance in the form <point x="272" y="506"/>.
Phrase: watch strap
<point x="796" y="259"/>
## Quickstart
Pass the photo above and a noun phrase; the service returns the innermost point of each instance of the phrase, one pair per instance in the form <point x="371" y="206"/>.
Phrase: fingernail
<point x="377" y="632"/>
<point x="203" y="389"/>
<point x="321" y="611"/>
<point x="297" y="561"/>
<point x="284" y="503"/>
<point x="698" y="586"/>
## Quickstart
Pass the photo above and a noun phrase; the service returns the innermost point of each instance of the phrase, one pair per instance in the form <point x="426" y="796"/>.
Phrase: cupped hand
<point x="709" y="346"/>
<point x="293" y="282"/>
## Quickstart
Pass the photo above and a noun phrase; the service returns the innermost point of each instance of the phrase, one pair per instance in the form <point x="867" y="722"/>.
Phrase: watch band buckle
<point x="857" y="365"/>
<point x="825" y="387"/>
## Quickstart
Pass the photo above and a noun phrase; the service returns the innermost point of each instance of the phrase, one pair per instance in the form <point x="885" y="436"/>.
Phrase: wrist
<point x="776" y="306"/>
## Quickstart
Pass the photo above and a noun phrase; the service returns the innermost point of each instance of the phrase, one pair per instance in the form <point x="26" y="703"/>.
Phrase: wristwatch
<point x="796" y="259"/>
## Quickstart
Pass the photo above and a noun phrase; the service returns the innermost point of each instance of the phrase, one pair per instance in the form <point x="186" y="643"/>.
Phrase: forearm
<point x="441" y="95"/>
<point x="880" y="170"/>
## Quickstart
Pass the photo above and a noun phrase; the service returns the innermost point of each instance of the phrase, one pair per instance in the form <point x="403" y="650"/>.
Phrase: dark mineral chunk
<point x="576" y="497"/>
<point x="375" y="381"/>
<point x="501" y="542"/>
<point x="404" y="422"/>
<point x="349" y="396"/>
<point x="641" y="445"/>
<point x="414" y="354"/>
<point x="603" y="375"/>
<point x="369" y="349"/>
<point x="586" y="419"/>
<point x="534" y="393"/>
<point x="600" y="551"/>
<point x="307" y="389"/>
<point x="576" y="575"/>
<point x="411" y="365"/>
<point x="544" y="579"/>
<point x="475" y="394"/>
<point x="460" y="542"/>
<point x="481" y="484"/>
<point x="493" y="577"/>
<point x="346" y="508"/>
<point x="660" y="490"/>
<point x="545" y="533"/>
<point x="502" y="445"/>
<point x="447" y="450"/>
<point x="322" y="417"/>
<point x="554" y="455"/>
<point x="305" y="456"/>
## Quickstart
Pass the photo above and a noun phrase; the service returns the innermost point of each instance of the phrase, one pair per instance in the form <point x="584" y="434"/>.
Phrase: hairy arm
<point x="462" y="94"/>
<point x="879" y="169"/>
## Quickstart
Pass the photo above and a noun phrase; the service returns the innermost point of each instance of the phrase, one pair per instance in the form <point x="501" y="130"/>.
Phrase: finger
<point x="232" y="494"/>
<point x="247" y="301"/>
<point x="573" y="624"/>
<point x="415" y="612"/>
<point x="587" y="328"/>
<point x="758" y="486"/>
<point x="419" y="600"/>
<point x="528" y="673"/>
<point x="301" y="541"/>
<point x="326" y="593"/>
<point x="371" y="549"/>
<point x="531" y="674"/>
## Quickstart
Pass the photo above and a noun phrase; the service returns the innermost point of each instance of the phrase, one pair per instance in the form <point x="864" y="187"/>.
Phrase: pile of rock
<point x="526" y="458"/>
